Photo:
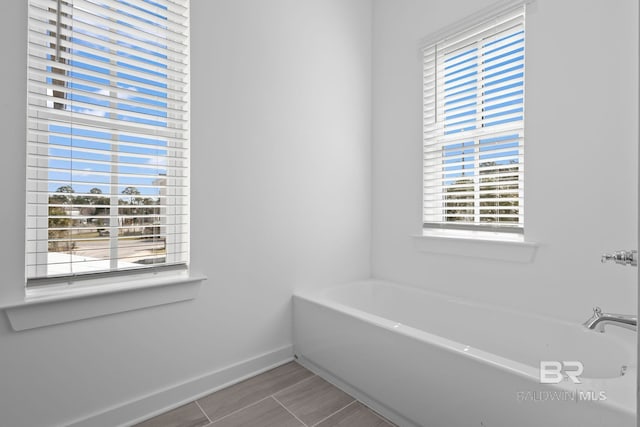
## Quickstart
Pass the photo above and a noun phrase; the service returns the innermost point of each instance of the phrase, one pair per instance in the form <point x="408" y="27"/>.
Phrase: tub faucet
<point x="621" y="257"/>
<point x="600" y="319"/>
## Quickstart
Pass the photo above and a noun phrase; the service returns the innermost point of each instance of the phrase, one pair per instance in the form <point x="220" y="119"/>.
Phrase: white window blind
<point x="473" y="129"/>
<point x="107" y="136"/>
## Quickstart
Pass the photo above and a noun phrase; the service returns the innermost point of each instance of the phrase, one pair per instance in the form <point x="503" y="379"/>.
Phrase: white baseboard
<point x="160" y="401"/>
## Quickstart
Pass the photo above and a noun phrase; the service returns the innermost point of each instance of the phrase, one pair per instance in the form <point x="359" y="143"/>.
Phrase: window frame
<point x="472" y="29"/>
<point x="39" y="283"/>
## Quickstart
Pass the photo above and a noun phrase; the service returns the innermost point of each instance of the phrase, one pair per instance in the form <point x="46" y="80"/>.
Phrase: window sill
<point x="477" y="244"/>
<point x="78" y="303"/>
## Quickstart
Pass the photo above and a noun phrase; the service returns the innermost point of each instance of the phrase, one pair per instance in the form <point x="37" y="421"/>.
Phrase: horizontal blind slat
<point x="39" y="64"/>
<point x="48" y="115"/>
<point x="91" y="107"/>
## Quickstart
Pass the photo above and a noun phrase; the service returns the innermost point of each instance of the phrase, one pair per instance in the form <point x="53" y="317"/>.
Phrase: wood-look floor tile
<point x="313" y="400"/>
<point x="355" y="415"/>
<point x="245" y="393"/>
<point x="185" y="416"/>
<point x="266" y="413"/>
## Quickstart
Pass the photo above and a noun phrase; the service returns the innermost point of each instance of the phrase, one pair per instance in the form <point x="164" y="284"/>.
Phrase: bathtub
<point x="431" y="360"/>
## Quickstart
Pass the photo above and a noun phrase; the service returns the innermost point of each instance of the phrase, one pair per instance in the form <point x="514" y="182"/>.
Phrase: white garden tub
<point x="426" y="359"/>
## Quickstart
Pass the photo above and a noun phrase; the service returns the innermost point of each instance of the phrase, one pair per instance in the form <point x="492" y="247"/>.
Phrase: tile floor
<point x="287" y="396"/>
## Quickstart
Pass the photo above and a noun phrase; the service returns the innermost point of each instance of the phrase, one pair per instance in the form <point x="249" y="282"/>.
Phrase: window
<point x="473" y="130"/>
<point x="107" y="136"/>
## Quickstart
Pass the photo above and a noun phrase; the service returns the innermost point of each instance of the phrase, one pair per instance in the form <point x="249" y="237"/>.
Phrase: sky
<point x="81" y="156"/>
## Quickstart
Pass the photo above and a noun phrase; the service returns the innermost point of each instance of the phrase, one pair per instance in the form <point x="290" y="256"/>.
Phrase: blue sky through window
<point x="82" y="157"/>
<point x="496" y="65"/>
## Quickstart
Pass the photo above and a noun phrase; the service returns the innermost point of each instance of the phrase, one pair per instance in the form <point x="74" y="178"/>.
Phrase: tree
<point x="82" y="199"/>
<point x="62" y="199"/>
<point x="130" y="191"/>
<point x="134" y="201"/>
<point x="65" y="189"/>
<point x="98" y="200"/>
<point x="59" y="219"/>
<point x="493" y="179"/>
<point x="503" y="179"/>
<point x="459" y="205"/>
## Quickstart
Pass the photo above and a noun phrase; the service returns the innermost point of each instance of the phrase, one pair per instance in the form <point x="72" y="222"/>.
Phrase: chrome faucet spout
<point x="599" y="320"/>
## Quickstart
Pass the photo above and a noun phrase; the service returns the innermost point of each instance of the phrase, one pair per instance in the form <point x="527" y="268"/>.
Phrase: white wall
<point x="280" y="199"/>
<point x="581" y="156"/>
<point x="282" y="95"/>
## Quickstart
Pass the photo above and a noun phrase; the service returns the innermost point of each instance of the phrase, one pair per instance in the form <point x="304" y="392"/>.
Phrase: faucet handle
<point x="621" y="257"/>
<point x="594" y="320"/>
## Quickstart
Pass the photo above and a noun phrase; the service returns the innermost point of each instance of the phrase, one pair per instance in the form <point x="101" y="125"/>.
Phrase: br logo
<point x="552" y="371"/>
